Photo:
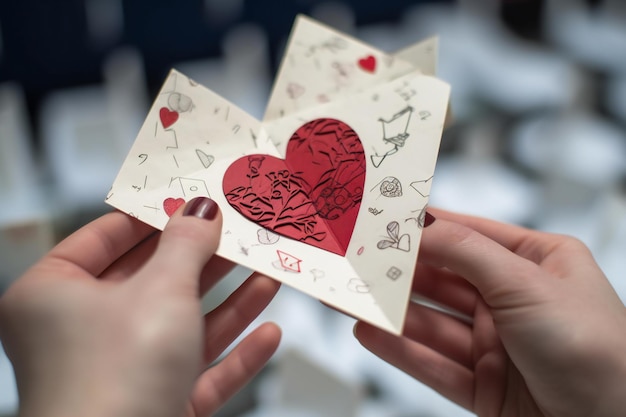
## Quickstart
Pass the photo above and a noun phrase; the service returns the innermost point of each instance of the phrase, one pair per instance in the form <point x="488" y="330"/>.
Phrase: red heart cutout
<point x="170" y="205"/>
<point x="168" y="117"/>
<point x="313" y="195"/>
<point x="368" y="63"/>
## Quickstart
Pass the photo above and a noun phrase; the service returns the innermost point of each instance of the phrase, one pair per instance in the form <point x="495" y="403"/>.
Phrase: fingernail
<point x="428" y="219"/>
<point x="202" y="207"/>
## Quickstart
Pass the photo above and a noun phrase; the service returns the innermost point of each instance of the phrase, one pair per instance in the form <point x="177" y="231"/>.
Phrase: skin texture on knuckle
<point x="98" y="239"/>
<point x="569" y="244"/>
<point x="450" y="240"/>
<point x="466" y="240"/>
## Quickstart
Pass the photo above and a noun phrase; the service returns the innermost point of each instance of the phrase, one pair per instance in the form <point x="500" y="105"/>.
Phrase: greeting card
<point x="328" y="192"/>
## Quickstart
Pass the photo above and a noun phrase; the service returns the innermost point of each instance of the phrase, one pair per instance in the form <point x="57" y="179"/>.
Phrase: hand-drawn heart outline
<point x="368" y="63"/>
<point x="168" y="117"/>
<point x="396" y="241"/>
<point x="313" y="195"/>
<point x="170" y="205"/>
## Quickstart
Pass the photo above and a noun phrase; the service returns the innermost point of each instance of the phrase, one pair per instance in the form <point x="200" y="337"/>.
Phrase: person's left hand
<point x="110" y="322"/>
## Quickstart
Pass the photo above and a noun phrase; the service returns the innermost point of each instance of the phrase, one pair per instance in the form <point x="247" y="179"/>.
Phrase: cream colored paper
<point x="191" y="136"/>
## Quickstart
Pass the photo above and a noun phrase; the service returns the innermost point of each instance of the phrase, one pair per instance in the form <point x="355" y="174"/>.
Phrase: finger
<point x="218" y="384"/>
<point x="553" y="251"/>
<point x="224" y="324"/>
<point x="187" y="243"/>
<point x="133" y="260"/>
<point x="444" y="287"/>
<point x="95" y="246"/>
<point x="490" y="361"/>
<point x="501" y="276"/>
<point x="530" y="244"/>
<point x="441" y="373"/>
<point x="440" y="332"/>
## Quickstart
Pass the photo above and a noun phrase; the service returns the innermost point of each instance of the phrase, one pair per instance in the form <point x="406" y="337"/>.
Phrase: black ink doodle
<point x="190" y="187"/>
<point x="394" y="273"/>
<point x="267" y="237"/>
<point x="420" y="218"/>
<point x="422" y="186"/>
<point x="389" y="187"/>
<point x="206" y="159"/>
<point x="395" y="241"/>
<point x="179" y="102"/>
<point x="154" y="207"/>
<point x="332" y="45"/>
<point x="395" y="133"/>
<point x="243" y="249"/>
<point x="358" y="286"/>
<point x="406" y="92"/>
<point x="317" y="274"/>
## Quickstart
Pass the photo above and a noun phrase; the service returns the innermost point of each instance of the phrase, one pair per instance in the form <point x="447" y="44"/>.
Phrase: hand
<point x="548" y="336"/>
<point x="110" y="321"/>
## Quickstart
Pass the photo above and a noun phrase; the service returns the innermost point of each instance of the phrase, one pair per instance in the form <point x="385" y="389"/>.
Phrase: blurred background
<point x="538" y="139"/>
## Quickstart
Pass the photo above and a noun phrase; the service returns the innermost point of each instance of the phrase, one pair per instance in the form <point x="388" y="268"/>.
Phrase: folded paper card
<point x="328" y="193"/>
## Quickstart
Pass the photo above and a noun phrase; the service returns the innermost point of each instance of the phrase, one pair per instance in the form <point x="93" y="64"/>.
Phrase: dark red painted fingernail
<point x="428" y="219"/>
<point x="202" y="207"/>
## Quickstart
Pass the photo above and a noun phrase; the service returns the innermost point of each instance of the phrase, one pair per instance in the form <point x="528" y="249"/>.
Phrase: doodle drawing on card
<point x="287" y="262"/>
<point x="395" y="133"/>
<point x="179" y="103"/>
<point x="205" y="159"/>
<point x="170" y="205"/>
<point x="419" y="219"/>
<point x="389" y="187"/>
<point x="394" y="239"/>
<point x="243" y="249"/>
<point x="424" y="114"/>
<point x="168" y="117"/>
<point x="317" y="274"/>
<point x="358" y="286"/>
<point x="422" y="186"/>
<point x="394" y="273"/>
<point x="190" y="187"/>
<point x="266" y="237"/>
<point x="295" y="90"/>
<point x="368" y="64"/>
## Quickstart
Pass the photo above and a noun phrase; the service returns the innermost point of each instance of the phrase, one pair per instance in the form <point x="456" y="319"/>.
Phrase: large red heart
<point x="313" y="195"/>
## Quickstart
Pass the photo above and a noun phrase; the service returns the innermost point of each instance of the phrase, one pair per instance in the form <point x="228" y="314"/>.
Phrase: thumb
<point x="188" y="241"/>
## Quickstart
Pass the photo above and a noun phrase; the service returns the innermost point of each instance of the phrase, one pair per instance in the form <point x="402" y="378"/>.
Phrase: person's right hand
<point x="548" y="336"/>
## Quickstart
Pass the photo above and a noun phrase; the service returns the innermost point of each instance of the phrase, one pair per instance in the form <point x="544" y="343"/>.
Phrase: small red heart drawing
<point x="313" y="195"/>
<point x="368" y="63"/>
<point x="168" y="117"/>
<point x="170" y="205"/>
